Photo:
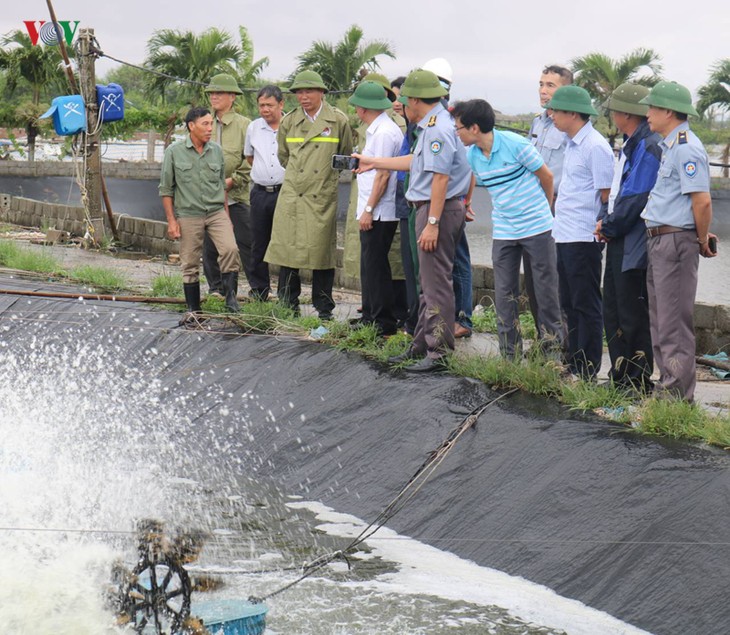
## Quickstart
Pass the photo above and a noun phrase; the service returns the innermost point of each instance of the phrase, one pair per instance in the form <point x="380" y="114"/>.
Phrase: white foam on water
<point x="423" y="569"/>
<point x="84" y="453"/>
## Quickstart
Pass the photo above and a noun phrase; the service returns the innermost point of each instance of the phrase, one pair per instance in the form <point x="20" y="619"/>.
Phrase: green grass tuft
<point x="167" y="285"/>
<point x="12" y="256"/>
<point x="98" y="277"/>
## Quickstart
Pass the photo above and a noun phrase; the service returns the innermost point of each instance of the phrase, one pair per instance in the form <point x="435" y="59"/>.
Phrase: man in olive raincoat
<point x="304" y="234"/>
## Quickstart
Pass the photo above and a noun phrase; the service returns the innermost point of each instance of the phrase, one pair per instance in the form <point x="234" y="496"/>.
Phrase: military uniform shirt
<point x="232" y="137"/>
<point x="684" y="169"/>
<point x="195" y="181"/>
<point x="438" y="150"/>
<point x="550" y="143"/>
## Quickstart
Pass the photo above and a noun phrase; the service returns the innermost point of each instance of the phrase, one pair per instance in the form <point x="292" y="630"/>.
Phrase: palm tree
<point x="600" y="75"/>
<point x="340" y="64"/>
<point x="249" y="69"/>
<point x="38" y="68"/>
<point x="192" y="57"/>
<point x="715" y="94"/>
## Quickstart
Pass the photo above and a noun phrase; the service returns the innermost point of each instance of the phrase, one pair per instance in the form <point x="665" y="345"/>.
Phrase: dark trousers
<point x="435" y="330"/>
<point x="462" y="282"/>
<point x="626" y="318"/>
<point x="263" y="204"/>
<point x="375" y="276"/>
<point x="579" y="270"/>
<point x="290" y="288"/>
<point x="241" y="221"/>
<point x="406" y="253"/>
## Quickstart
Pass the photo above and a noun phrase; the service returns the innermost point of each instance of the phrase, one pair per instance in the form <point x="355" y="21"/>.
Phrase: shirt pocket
<point x="665" y="172"/>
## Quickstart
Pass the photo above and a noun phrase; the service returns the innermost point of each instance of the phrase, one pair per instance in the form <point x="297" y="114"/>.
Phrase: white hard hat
<point x="440" y="67"/>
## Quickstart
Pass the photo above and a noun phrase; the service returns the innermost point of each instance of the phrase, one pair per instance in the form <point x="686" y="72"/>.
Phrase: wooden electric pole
<point x="92" y="155"/>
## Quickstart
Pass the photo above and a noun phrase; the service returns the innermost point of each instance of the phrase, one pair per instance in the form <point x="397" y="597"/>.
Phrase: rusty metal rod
<point x="93" y="296"/>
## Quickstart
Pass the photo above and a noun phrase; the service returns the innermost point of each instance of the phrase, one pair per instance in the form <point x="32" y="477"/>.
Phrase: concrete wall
<point x="118" y="170"/>
<point x="712" y="322"/>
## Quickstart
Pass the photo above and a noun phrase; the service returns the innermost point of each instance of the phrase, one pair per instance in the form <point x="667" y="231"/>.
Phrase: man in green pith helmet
<point x="625" y="305"/>
<point x="375" y="210"/>
<point x="678" y="216"/>
<point x="440" y="178"/>
<point x="229" y="132"/>
<point x="351" y="256"/>
<point x="584" y="187"/>
<point x="304" y="235"/>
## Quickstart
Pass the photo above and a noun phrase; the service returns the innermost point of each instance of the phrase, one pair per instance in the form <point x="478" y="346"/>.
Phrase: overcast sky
<point x="497" y="49"/>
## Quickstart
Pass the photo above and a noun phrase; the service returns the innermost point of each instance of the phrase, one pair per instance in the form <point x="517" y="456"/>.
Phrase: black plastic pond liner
<point x="633" y="526"/>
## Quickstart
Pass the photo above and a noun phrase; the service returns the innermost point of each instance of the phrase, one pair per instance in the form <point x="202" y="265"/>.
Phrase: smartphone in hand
<point x="344" y="162"/>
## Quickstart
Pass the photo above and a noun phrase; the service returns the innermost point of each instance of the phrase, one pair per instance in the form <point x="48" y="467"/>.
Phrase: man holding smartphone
<point x="678" y="216"/>
<point x="375" y="210"/>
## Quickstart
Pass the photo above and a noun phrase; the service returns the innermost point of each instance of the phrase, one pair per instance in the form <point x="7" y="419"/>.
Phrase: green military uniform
<point x="304" y="234"/>
<point x="351" y="260"/>
<point x="231" y="136"/>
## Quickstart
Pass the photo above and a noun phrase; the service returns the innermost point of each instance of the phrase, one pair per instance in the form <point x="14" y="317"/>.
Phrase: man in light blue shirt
<point x="587" y="176"/>
<point x="521" y="187"/>
<point x="678" y="216"/>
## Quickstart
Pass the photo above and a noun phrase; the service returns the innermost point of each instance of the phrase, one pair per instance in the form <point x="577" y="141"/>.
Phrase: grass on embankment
<point x="15" y="257"/>
<point x="536" y="375"/>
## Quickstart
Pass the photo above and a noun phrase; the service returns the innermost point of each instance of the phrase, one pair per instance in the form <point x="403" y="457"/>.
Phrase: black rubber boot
<point x="192" y="296"/>
<point x="230" y="289"/>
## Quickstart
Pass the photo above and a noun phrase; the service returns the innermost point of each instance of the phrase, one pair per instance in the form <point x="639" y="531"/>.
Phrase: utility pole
<point x="92" y="177"/>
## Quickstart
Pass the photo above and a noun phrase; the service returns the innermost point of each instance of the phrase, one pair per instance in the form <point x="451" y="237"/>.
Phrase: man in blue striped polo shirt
<point x="521" y="187"/>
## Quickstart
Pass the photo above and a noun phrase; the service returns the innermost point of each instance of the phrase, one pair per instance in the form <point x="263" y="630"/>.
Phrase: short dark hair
<point x="430" y="100"/>
<point x="565" y="74"/>
<point x="474" y="111"/>
<point x="682" y="116"/>
<point x="398" y="82"/>
<point x="584" y="116"/>
<point x="194" y="114"/>
<point x="270" y="91"/>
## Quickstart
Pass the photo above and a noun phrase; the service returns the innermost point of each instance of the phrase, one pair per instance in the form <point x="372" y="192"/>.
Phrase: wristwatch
<point x="369" y="209"/>
<point x="432" y="220"/>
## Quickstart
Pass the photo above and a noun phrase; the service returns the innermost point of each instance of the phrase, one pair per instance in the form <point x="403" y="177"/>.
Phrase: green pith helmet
<point x="627" y="98"/>
<point x="423" y="85"/>
<point x="371" y="96"/>
<point x="572" y="99"/>
<point x="223" y="83"/>
<point x="383" y="81"/>
<point x="671" y="96"/>
<point x="307" y="79"/>
<point x="403" y="99"/>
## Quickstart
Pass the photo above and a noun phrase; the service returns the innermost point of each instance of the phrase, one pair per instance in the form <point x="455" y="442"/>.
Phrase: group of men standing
<point x="558" y="197"/>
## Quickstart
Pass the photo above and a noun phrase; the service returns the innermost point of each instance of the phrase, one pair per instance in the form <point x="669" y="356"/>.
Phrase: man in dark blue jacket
<point x="625" y="303"/>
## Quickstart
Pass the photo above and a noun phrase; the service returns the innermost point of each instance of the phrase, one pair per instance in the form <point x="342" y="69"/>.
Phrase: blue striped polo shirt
<point x="519" y="206"/>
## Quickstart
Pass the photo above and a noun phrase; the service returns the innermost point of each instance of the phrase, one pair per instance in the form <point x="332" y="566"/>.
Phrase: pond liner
<point x="633" y="526"/>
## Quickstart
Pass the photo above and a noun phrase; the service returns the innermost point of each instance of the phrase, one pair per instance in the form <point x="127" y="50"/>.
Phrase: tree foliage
<point x="36" y="67"/>
<point x="340" y="64"/>
<point x="600" y="75"/>
<point x="197" y="58"/>
<point x="716" y="92"/>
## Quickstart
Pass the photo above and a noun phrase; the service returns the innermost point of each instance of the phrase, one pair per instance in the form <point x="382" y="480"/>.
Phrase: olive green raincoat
<point x="304" y="234"/>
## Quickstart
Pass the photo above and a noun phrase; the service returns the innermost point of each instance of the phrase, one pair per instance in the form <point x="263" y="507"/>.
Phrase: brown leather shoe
<point x="461" y="331"/>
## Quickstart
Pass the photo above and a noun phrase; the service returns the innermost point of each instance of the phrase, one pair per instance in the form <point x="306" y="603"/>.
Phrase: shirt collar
<point x="189" y="144"/>
<point x="671" y="138"/>
<point x="316" y="114"/>
<point x="226" y="118"/>
<point x="437" y="108"/>
<point x="582" y="133"/>
<point x="377" y="122"/>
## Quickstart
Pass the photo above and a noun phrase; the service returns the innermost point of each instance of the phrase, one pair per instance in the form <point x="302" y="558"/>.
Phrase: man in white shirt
<point x="267" y="175"/>
<point x="376" y="207"/>
<point x="584" y="187"/>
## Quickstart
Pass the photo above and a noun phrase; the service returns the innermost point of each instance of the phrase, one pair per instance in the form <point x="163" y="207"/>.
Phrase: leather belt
<point x="419" y="203"/>
<point x="651" y="232"/>
<point x="267" y="188"/>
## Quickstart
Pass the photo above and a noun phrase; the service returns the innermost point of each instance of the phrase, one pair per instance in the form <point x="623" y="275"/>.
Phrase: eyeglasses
<point x="457" y="128"/>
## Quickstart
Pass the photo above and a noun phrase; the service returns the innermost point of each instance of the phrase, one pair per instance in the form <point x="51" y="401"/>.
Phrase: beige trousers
<point x="192" y="232"/>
